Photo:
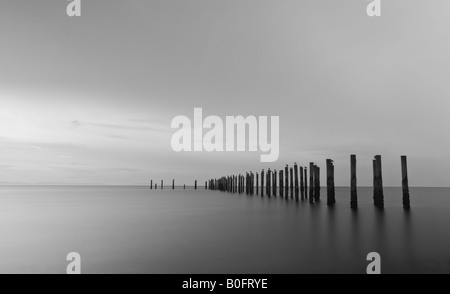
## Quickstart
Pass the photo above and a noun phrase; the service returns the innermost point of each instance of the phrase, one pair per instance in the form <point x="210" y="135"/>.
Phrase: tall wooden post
<point x="257" y="184"/>
<point x="296" y="180"/>
<point x="195" y="184"/>
<point x="405" y="185"/>
<point x="281" y="183"/>
<point x="173" y="184"/>
<point x="306" y="182"/>
<point x="317" y="184"/>
<point x="162" y="184"/>
<point x="151" y="184"/>
<point x="286" y="181"/>
<point x="292" y="182"/>
<point x="379" y="197"/>
<point x="268" y="182"/>
<point x="262" y="183"/>
<point x="275" y="183"/>
<point x="331" y="200"/>
<point x="311" y="182"/>
<point x="302" y="183"/>
<point x="353" y="183"/>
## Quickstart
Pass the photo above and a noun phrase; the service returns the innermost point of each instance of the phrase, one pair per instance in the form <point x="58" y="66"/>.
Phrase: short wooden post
<point x="405" y="185"/>
<point x="184" y="186"/>
<point x="156" y="186"/>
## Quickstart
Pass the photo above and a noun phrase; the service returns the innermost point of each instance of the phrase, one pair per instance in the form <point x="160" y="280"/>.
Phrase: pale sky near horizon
<point x="90" y="99"/>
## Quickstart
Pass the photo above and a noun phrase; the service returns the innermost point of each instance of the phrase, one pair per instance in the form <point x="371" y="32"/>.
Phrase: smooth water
<point x="137" y="230"/>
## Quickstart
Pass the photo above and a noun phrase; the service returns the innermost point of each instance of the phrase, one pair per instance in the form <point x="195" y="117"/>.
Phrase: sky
<point x="90" y="99"/>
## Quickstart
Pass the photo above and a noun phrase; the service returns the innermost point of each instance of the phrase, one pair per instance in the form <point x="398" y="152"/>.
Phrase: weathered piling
<point x="405" y="185"/>
<point x="173" y="184"/>
<point x="274" y="183"/>
<point x="302" y="184"/>
<point x="195" y="184"/>
<point x="331" y="199"/>
<point x="311" y="182"/>
<point x="281" y="183"/>
<point x="269" y="173"/>
<point x="378" y="181"/>
<point x="291" y="182"/>
<point x="353" y="183"/>
<point x="156" y="186"/>
<point x="184" y="186"/>
<point x="296" y="180"/>
<point x="151" y="184"/>
<point x="317" y="184"/>
<point x="286" y="181"/>
<point x="262" y="183"/>
<point x="306" y="182"/>
<point x="162" y="184"/>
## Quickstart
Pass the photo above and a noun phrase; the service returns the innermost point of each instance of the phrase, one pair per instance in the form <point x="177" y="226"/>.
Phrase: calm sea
<point x="137" y="230"/>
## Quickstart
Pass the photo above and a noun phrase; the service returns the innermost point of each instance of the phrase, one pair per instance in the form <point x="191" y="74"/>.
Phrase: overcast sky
<point x="90" y="99"/>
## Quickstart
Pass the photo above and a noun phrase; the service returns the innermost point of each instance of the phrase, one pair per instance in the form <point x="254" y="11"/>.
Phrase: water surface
<point x="137" y="230"/>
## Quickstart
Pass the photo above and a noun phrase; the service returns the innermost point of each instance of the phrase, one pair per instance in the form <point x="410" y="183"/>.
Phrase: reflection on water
<point x="135" y="230"/>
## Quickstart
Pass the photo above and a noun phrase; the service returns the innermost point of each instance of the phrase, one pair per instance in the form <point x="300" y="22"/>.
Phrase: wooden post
<point x="184" y="187"/>
<point x="253" y="183"/>
<point x="405" y="185"/>
<point x="195" y="184"/>
<point x="257" y="183"/>
<point x="262" y="183"/>
<point x="151" y="184"/>
<point x="268" y="183"/>
<point x="302" y="184"/>
<point x="311" y="182"/>
<point x="306" y="182"/>
<point x="281" y="183"/>
<point x="331" y="200"/>
<point x="353" y="183"/>
<point x="379" y="197"/>
<point x="292" y="182"/>
<point x="317" y="184"/>
<point x="156" y="186"/>
<point x="296" y="180"/>
<point x="275" y="183"/>
<point x="162" y="184"/>
<point x="173" y="184"/>
<point x="286" y="181"/>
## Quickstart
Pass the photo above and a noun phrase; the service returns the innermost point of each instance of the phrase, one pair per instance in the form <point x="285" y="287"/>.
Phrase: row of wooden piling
<point x="293" y="183"/>
<point x="155" y="185"/>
